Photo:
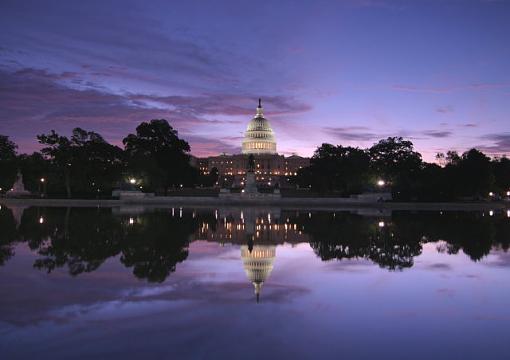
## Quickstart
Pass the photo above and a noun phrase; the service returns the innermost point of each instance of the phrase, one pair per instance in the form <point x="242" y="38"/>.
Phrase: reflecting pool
<point x="253" y="283"/>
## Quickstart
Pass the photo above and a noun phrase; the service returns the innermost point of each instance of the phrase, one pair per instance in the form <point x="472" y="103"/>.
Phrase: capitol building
<point x="271" y="168"/>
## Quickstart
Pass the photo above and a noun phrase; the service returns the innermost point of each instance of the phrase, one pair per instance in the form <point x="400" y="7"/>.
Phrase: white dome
<point x="259" y="137"/>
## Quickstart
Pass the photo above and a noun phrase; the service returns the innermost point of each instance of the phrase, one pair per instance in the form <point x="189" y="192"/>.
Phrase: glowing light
<point x="491" y="194"/>
<point x="507" y="193"/>
<point x="41" y="220"/>
<point x="132" y="181"/>
<point x="491" y="213"/>
<point x="380" y="182"/>
<point x="381" y="224"/>
<point x="131" y="221"/>
<point x="43" y="180"/>
<point x="508" y="213"/>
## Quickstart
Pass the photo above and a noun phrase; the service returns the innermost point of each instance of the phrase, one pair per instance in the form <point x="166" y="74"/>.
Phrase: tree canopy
<point x="8" y="163"/>
<point x="85" y="161"/>
<point x="159" y="156"/>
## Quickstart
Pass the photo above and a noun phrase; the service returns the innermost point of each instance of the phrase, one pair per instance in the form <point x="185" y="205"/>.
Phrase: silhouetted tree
<point x="337" y="168"/>
<point x="34" y="167"/>
<point x="501" y="170"/>
<point x="86" y="161"/>
<point x="395" y="160"/>
<point x="473" y="175"/>
<point x="8" y="164"/>
<point x="159" y="156"/>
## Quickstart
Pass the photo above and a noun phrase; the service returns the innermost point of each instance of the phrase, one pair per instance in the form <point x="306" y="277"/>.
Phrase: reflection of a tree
<point x="474" y="233"/>
<point x="153" y="243"/>
<point x="346" y="236"/>
<point x="395" y="244"/>
<point x="8" y="234"/>
<point x="82" y="239"/>
<point x="156" y="243"/>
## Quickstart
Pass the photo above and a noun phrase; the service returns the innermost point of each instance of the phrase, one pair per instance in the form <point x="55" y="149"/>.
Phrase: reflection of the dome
<point x="258" y="264"/>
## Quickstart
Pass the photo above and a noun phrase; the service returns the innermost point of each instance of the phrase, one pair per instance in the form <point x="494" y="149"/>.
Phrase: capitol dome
<point x="258" y="264"/>
<point x="259" y="137"/>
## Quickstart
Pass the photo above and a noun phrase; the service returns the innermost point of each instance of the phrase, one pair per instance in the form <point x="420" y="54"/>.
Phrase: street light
<point x="380" y="183"/>
<point x="132" y="181"/>
<point x="43" y="185"/>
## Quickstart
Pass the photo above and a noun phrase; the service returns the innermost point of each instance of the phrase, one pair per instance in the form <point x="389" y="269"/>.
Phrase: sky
<point x="346" y="72"/>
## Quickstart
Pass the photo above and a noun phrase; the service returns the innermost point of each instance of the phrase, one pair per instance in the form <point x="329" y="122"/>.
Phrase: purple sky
<point x="347" y="72"/>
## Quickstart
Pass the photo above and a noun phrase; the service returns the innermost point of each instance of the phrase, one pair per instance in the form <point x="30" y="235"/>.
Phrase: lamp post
<point x="42" y="186"/>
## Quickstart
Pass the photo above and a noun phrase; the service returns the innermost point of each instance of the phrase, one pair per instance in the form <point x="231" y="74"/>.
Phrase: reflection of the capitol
<point x="259" y="231"/>
<point x="260" y="226"/>
<point x="154" y="241"/>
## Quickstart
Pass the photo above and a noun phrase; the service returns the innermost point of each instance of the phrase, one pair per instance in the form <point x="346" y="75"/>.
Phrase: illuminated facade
<point x="271" y="168"/>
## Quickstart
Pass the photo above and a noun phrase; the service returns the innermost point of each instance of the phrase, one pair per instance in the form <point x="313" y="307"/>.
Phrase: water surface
<point x="252" y="283"/>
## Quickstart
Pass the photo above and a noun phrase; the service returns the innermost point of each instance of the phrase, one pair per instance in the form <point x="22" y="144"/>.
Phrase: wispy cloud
<point x="445" y="109"/>
<point x="500" y="144"/>
<point x="353" y="133"/>
<point x="437" y="133"/>
<point x="35" y="100"/>
<point x="449" y="88"/>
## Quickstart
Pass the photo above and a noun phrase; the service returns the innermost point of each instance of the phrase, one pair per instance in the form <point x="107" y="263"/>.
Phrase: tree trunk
<point x="68" y="185"/>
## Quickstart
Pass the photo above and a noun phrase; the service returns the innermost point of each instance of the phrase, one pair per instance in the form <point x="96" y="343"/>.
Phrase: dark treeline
<point x="393" y="165"/>
<point x="80" y="240"/>
<point x="84" y="164"/>
<point x="155" y="159"/>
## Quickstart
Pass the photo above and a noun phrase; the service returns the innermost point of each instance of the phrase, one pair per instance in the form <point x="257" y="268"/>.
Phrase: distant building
<point x="260" y="141"/>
